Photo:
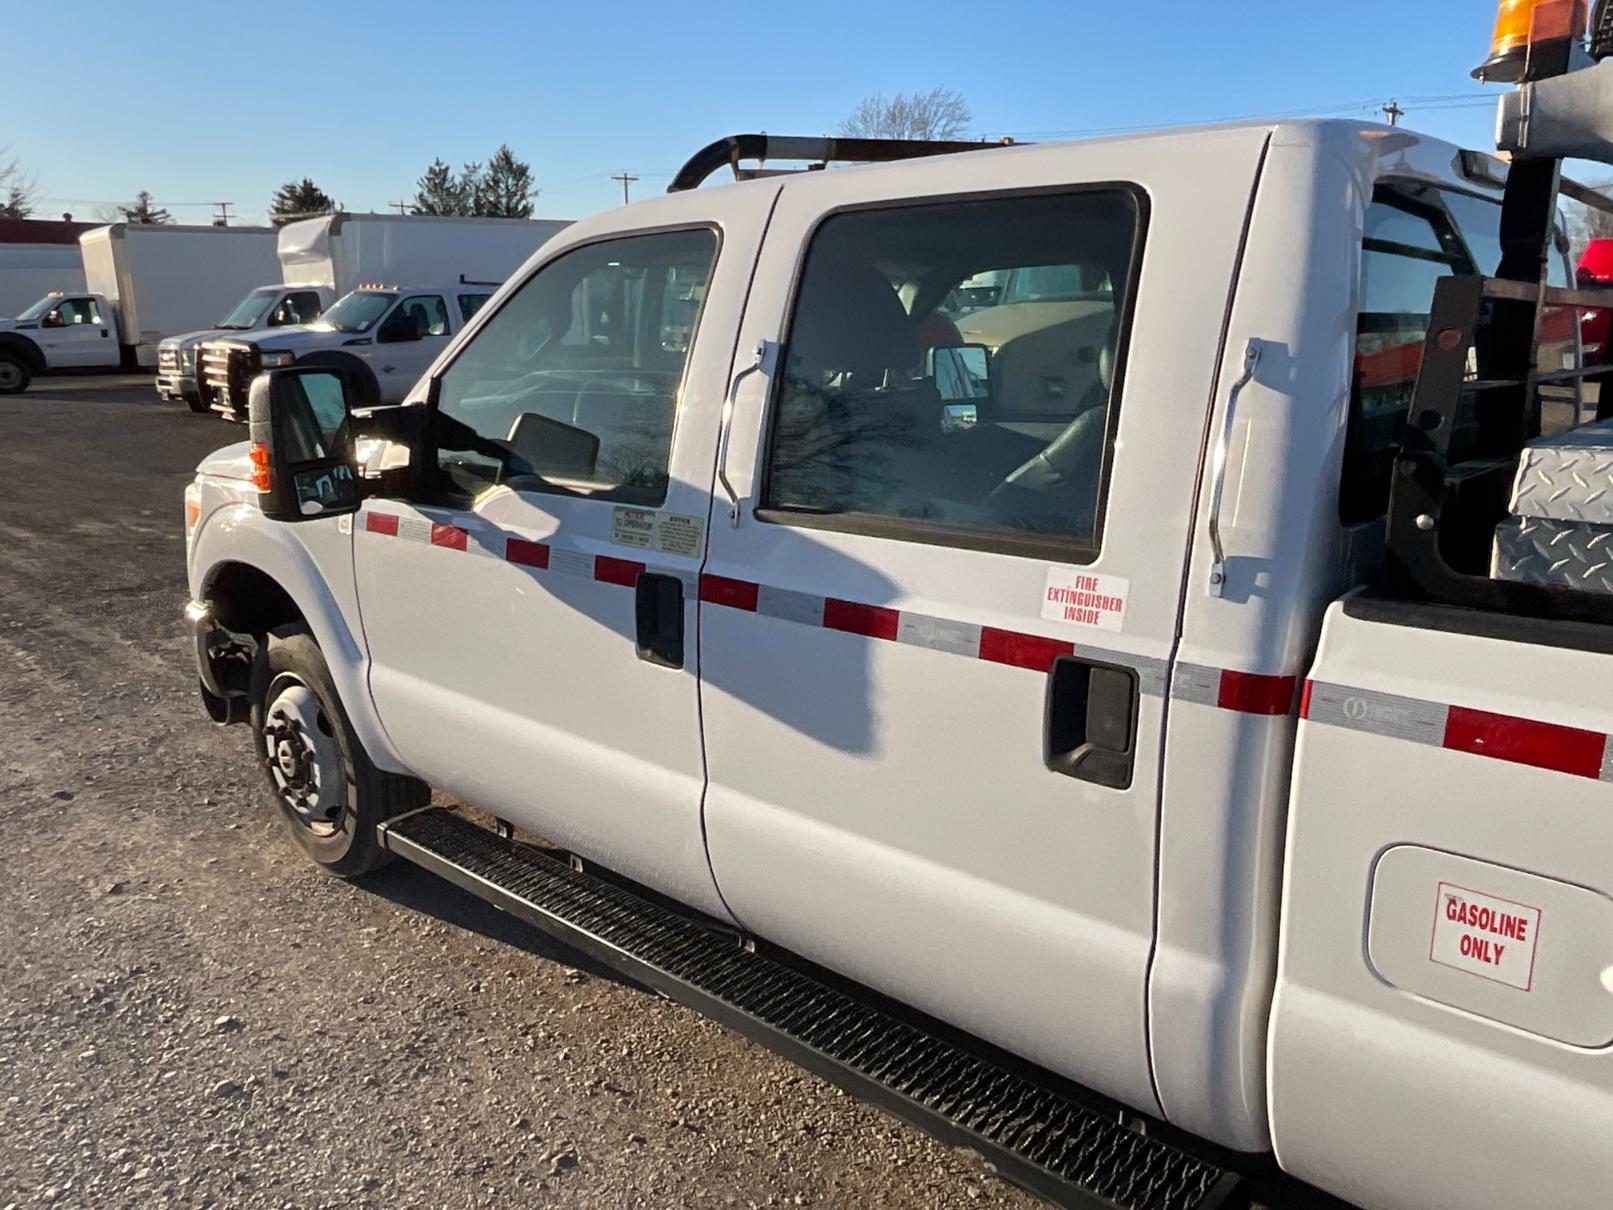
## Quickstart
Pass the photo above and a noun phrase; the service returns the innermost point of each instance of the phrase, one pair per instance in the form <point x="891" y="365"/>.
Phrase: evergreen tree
<point x="300" y="199"/>
<point x="505" y="189"/>
<point x="145" y="210"/>
<point x="440" y="192"/>
<point x="18" y="203"/>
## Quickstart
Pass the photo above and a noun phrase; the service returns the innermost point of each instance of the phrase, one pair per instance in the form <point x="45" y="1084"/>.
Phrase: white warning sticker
<point x="673" y="533"/>
<point x="632" y="527"/>
<point x="1078" y="596"/>
<point x="1484" y="936"/>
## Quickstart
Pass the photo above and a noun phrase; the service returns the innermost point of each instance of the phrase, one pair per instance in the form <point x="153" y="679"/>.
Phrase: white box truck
<point x="142" y="281"/>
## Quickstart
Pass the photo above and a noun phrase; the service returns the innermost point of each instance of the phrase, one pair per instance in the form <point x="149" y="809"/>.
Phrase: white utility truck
<point x="143" y="281"/>
<point x="1164" y="771"/>
<point x="346" y="253"/>
<point x="323" y="258"/>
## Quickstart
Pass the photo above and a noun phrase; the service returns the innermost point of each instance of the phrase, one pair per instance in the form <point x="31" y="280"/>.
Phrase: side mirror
<point x="53" y="319"/>
<point x="398" y="327"/>
<point x="302" y="443"/>
<point x="962" y="377"/>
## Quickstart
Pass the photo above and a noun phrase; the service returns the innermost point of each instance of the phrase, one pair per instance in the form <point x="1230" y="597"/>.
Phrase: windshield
<point x="250" y="309"/>
<point x="40" y="307"/>
<point x="358" y="311"/>
<point x="1050" y="283"/>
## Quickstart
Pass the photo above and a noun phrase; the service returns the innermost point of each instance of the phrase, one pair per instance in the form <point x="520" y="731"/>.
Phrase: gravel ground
<point x="192" y="1015"/>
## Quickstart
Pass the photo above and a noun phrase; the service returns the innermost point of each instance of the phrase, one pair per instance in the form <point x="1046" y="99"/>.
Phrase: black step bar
<point x="1065" y="1144"/>
<point x="820" y="151"/>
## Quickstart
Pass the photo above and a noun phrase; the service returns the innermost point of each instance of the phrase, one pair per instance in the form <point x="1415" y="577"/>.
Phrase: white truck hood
<point x="230" y="462"/>
<point x="8" y="325"/>
<point x="295" y="338"/>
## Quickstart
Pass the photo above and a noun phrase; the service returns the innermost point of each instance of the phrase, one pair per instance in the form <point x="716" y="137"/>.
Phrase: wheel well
<point x="249" y="601"/>
<point x="22" y="347"/>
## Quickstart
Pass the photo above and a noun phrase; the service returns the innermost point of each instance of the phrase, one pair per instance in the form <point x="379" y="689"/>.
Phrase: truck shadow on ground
<point x="424" y="893"/>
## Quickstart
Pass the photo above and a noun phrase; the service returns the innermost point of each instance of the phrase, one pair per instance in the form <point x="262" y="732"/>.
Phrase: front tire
<point x="196" y="404"/>
<point x="14" y="375"/>
<point x="328" y="792"/>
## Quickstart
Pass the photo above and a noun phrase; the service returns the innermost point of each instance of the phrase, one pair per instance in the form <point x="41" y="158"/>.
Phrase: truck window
<point x="573" y="385"/>
<point x="429" y="313"/>
<point x="79" y="311"/>
<point x="298" y="307"/>
<point x="870" y="425"/>
<point x="469" y="304"/>
<point x="1414" y="236"/>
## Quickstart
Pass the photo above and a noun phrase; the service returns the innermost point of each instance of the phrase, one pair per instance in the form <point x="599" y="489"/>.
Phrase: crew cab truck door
<point x="77" y="333"/>
<point x="1442" y="1034"/>
<point x="937" y="620"/>
<point x="530" y="613"/>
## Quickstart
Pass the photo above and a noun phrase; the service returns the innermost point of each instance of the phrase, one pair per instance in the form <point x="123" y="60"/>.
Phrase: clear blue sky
<point x="197" y="102"/>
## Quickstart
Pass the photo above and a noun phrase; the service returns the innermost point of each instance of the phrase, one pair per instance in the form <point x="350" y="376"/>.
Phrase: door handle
<point x="764" y="362"/>
<point x="1218" y="469"/>
<point x="1090" y="732"/>
<point x="658" y="612"/>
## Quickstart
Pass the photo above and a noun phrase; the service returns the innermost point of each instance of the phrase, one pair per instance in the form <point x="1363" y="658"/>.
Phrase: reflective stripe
<point x="1245" y="692"/>
<point x="1505" y="737"/>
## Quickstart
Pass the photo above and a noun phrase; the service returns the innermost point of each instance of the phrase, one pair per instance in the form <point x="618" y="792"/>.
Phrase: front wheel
<point x="14" y="374"/>
<point x="197" y="404"/>
<point x="328" y="792"/>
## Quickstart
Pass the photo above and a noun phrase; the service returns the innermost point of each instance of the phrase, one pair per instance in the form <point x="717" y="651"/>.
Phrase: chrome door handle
<point x="1218" y="470"/>
<point x="763" y="363"/>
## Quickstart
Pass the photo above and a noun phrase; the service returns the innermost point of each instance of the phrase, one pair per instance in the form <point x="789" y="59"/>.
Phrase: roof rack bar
<point x="821" y="149"/>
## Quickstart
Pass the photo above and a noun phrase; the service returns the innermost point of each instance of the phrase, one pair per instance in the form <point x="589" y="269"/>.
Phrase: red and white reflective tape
<point x="607" y="569"/>
<point x="1519" y="741"/>
<point x="1244" y="692"/>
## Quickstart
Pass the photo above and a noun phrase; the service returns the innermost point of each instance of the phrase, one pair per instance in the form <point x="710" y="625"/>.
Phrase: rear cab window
<point x="951" y="371"/>
<point x="1415" y="235"/>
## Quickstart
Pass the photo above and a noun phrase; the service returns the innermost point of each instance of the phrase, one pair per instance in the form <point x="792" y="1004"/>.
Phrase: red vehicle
<point x="1595" y="269"/>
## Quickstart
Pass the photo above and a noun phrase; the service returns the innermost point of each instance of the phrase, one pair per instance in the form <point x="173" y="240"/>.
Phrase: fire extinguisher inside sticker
<point x="1078" y="596"/>
<point x="1484" y="936"/>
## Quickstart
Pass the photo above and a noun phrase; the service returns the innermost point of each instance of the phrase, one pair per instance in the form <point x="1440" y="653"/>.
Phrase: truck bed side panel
<point x="1444" y="1005"/>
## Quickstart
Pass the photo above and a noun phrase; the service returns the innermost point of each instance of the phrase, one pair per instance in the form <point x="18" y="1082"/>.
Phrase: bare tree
<point x="18" y="189"/>
<point x="939" y="113"/>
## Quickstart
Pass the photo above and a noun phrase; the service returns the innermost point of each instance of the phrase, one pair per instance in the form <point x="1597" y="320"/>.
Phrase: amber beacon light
<point x="1521" y="24"/>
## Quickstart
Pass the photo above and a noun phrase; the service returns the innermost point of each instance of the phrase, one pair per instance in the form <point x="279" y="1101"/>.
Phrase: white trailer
<point x="162" y="279"/>
<point x="30" y="268"/>
<point x="344" y="251"/>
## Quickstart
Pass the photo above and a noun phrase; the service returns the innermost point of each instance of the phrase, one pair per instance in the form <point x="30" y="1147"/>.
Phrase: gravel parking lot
<point x="192" y="1015"/>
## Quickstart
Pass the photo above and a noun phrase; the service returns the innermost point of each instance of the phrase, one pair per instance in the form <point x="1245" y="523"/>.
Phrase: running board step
<point x="1069" y="1150"/>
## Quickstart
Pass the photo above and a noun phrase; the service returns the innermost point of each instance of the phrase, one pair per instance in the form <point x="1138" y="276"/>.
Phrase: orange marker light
<point x="1519" y="24"/>
<point x="260" y="467"/>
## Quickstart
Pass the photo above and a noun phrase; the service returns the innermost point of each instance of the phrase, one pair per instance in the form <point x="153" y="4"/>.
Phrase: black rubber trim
<point x="1480" y="623"/>
<point x="1070" y="1148"/>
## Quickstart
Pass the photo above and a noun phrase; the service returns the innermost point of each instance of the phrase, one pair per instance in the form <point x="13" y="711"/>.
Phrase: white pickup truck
<point x="383" y="337"/>
<point x="262" y="308"/>
<point x="1074" y="736"/>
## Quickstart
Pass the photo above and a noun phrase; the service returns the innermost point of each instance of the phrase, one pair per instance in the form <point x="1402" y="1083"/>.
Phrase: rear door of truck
<point x="943" y="583"/>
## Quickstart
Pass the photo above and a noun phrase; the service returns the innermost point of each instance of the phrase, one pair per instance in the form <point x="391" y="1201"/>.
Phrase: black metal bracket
<point x="818" y="151"/>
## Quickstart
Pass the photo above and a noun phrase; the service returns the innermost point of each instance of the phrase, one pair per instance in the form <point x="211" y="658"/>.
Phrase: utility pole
<point x="626" y="180"/>
<point x="222" y="218"/>
<point x="1393" y="112"/>
<point x="403" y="207"/>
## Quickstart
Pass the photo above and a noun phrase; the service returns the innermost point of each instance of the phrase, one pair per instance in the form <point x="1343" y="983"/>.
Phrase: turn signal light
<point x="260" y="466"/>
<point x="1520" y="24"/>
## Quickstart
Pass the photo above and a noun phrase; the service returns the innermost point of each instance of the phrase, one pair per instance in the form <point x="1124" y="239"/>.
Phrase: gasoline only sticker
<point x="1078" y="596"/>
<point x="1492" y="938"/>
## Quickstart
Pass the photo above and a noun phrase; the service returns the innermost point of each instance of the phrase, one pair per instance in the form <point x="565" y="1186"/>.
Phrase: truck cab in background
<point x="60" y="332"/>
<point x="264" y="308"/>
<point x="382" y="337"/>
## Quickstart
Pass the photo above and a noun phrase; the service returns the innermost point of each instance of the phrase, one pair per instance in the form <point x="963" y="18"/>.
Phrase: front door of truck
<point x="530" y="614"/>
<point x="411" y="336"/>
<point x="935" y="637"/>
<point x="76" y="335"/>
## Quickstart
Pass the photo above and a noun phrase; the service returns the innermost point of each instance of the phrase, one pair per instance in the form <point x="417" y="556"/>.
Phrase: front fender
<point x="312" y="561"/>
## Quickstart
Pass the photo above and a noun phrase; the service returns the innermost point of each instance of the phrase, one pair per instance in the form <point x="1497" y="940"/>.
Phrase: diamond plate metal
<point x="1566" y="553"/>
<point x="1567" y="477"/>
